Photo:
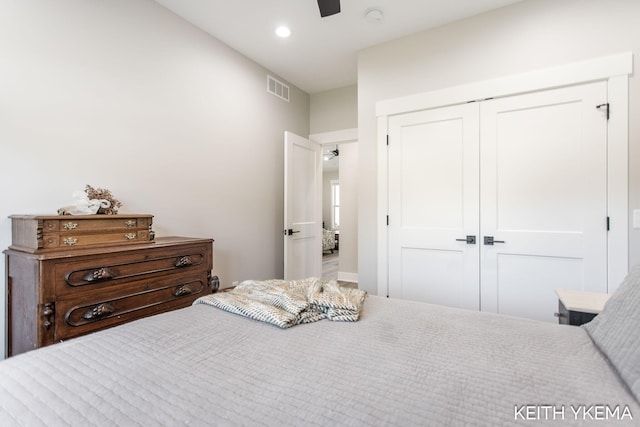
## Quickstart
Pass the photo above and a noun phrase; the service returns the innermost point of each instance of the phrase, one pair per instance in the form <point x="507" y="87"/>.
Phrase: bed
<point x="402" y="363"/>
<point x="328" y="240"/>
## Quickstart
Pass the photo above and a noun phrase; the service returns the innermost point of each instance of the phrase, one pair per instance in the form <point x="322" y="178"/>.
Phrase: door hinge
<point x="387" y="220"/>
<point x="387" y="140"/>
<point x="608" y="223"/>
<point x="606" y="107"/>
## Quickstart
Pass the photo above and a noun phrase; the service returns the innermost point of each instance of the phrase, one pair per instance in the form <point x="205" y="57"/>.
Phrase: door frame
<point x="613" y="69"/>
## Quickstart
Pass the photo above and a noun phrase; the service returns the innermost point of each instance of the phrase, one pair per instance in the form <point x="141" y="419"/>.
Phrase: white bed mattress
<point x="403" y="363"/>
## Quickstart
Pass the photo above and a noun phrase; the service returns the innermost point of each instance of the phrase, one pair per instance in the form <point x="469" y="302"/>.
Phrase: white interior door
<point x="544" y="194"/>
<point x="302" y="208"/>
<point x="433" y="206"/>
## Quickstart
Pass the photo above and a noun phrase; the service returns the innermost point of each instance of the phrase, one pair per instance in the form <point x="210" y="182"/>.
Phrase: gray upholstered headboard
<point x="615" y="330"/>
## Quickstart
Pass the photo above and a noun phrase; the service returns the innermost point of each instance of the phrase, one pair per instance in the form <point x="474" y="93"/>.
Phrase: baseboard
<point x="347" y="277"/>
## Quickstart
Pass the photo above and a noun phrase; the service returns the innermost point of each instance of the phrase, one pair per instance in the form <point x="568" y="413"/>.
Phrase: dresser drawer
<point x="141" y="298"/>
<point x="83" y="275"/>
<point x="97" y="223"/>
<point x="62" y="240"/>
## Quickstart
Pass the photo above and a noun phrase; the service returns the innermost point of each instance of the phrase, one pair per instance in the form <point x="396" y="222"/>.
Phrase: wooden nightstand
<point x="578" y="307"/>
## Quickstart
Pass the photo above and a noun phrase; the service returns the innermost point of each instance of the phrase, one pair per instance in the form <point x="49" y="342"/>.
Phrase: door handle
<point x="488" y="240"/>
<point x="289" y="232"/>
<point x="471" y="240"/>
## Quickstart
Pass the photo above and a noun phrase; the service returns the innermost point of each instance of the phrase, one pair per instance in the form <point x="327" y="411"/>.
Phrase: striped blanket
<point x="287" y="303"/>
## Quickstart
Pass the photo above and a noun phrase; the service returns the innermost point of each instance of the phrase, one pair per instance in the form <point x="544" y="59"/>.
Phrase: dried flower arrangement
<point x="103" y="194"/>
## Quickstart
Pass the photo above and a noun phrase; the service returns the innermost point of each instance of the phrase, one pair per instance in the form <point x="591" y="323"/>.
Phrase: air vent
<point x="277" y="88"/>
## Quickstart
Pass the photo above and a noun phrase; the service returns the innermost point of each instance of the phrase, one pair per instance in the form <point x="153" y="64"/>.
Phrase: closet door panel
<point x="433" y="205"/>
<point x="533" y="295"/>
<point x="543" y="193"/>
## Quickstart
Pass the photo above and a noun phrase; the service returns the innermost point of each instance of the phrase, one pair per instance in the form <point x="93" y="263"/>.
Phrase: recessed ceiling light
<point x="283" y="32"/>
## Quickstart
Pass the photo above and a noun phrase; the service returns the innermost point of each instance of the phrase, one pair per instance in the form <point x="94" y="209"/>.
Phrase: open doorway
<point x="340" y="210"/>
<point x="330" y="212"/>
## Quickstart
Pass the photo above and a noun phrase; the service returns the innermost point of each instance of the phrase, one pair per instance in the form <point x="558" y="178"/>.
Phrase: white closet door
<point x="543" y="193"/>
<point x="433" y="202"/>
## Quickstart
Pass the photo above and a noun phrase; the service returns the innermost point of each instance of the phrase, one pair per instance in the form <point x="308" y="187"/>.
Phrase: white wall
<point x="348" y="259"/>
<point x="534" y="34"/>
<point x="333" y="110"/>
<point x="125" y="95"/>
<point x="327" y="207"/>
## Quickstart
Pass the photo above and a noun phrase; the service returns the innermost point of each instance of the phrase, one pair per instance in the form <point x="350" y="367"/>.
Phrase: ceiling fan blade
<point x="328" y="7"/>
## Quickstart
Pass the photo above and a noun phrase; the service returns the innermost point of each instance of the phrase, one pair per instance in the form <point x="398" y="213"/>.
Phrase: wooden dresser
<point x="57" y="295"/>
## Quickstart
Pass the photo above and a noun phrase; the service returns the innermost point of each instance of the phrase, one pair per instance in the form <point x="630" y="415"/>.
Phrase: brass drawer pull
<point x="70" y="225"/>
<point x="69" y="241"/>
<point x="130" y="223"/>
<point x="184" y="261"/>
<point x="100" y="274"/>
<point x="99" y="311"/>
<point x="182" y="291"/>
<point x="130" y="236"/>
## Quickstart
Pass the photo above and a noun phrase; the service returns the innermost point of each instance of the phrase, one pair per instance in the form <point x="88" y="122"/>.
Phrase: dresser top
<point x="78" y="217"/>
<point x="158" y="242"/>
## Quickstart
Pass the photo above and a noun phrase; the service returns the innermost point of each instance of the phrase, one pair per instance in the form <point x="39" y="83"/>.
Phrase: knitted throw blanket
<point x="287" y="303"/>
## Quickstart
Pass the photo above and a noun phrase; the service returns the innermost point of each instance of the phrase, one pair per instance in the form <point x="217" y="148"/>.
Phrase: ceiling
<point x="330" y="162"/>
<point x="321" y="53"/>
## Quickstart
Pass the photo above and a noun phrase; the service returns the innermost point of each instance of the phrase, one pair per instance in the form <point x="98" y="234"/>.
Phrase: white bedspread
<point x="402" y="364"/>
